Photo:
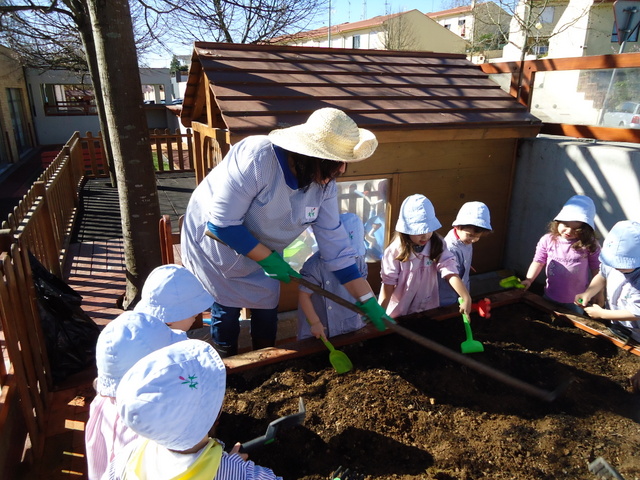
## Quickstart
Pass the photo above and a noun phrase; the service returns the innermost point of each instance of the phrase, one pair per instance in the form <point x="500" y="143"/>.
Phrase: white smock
<point x="248" y="188"/>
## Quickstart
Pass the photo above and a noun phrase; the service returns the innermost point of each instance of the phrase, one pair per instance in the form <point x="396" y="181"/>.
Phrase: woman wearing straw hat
<point x="266" y="192"/>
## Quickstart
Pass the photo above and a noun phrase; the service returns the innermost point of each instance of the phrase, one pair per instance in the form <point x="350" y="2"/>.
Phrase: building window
<point x="614" y="34"/>
<point x="447" y="26"/>
<point x="546" y="16"/>
<point x="153" y="94"/>
<point x="18" y="119"/>
<point x="356" y="41"/>
<point x="67" y="100"/>
<point x="540" y="50"/>
<point x="461" y="27"/>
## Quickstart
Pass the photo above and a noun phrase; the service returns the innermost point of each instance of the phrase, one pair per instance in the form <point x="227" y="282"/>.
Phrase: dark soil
<point x="405" y="412"/>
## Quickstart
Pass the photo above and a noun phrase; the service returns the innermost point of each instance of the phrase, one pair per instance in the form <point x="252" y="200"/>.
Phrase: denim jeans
<point x="225" y="324"/>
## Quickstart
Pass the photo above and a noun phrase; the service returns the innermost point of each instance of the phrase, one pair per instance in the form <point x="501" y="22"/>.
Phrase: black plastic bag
<point x="70" y="334"/>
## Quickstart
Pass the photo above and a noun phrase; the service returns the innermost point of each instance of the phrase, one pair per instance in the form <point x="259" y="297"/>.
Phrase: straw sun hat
<point x="329" y="134"/>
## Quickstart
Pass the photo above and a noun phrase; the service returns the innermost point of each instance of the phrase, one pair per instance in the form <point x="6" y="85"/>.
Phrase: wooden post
<point x="47" y="232"/>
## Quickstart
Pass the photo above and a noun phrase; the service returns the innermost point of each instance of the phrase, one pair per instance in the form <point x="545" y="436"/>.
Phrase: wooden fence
<point x="42" y="224"/>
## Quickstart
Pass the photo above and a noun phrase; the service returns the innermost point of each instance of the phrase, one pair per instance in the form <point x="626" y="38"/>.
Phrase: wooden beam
<point x="583" y="323"/>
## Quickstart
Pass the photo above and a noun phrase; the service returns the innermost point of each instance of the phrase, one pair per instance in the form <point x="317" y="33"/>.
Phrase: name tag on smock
<point x="310" y="214"/>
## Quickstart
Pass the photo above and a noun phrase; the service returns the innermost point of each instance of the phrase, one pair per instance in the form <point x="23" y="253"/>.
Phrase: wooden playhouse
<point x="445" y="129"/>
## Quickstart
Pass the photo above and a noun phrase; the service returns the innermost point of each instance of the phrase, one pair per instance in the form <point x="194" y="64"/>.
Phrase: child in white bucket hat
<point x="568" y="253"/>
<point x="174" y="295"/>
<point x="619" y="275"/>
<point x="267" y="191"/>
<point x="317" y="315"/>
<point x="120" y="345"/>
<point x="471" y="224"/>
<point x="172" y="398"/>
<point x="413" y="261"/>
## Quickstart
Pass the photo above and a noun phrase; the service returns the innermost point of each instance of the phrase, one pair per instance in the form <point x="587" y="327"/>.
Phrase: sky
<point x="355" y="10"/>
<point x="341" y="11"/>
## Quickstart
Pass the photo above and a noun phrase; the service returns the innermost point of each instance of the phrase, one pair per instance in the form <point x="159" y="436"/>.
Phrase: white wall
<point x="550" y="170"/>
<point x="56" y="130"/>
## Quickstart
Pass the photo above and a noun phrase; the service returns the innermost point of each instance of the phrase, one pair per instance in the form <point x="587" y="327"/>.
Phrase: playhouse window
<point x="367" y="199"/>
<point x="75" y="99"/>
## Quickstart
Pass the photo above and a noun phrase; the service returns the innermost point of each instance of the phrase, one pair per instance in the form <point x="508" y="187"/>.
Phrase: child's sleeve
<point x="390" y="267"/>
<point x="447" y="265"/>
<point x="541" y="250"/>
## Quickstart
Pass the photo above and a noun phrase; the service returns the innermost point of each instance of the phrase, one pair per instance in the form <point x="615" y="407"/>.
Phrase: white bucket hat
<point x="355" y="228"/>
<point x="473" y="213"/>
<point x="174" y="395"/>
<point x="329" y="134"/>
<point x="172" y="293"/>
<point x="417" y="216"/>
<point x="621" y="248"/>
<point x="126" y="340"/>
<point x="578" y="208"/>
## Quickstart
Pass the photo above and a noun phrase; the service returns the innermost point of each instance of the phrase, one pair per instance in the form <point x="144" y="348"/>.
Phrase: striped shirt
<point x="105" y="435"/>
<point x="163" y="464"/>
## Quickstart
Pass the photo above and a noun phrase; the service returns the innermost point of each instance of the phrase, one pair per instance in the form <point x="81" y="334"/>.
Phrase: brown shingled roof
<point x="257" y="88"/>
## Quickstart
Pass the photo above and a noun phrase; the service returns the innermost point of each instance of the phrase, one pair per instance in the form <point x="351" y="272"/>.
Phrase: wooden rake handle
<point x="441" y="349"/>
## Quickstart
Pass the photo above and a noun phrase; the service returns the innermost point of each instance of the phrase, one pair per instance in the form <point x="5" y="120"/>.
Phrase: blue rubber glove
<point x="375" y="313"/>
<point x="275" y="267"/>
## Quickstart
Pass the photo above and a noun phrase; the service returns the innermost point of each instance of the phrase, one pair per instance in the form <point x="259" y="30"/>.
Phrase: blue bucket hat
<point x="417" y="216"/>
<point x="473" y="213"/>
<point x="173" y="396"/>
<point x="126" y="340"/>
<point x="621" y="248"/>
<point x="172" y="293"/>
<point x="578" y="208"/>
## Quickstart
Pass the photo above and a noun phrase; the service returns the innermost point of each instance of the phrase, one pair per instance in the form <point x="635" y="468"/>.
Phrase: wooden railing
<point x="172" y="152"/>
<point x="42" y="224"/>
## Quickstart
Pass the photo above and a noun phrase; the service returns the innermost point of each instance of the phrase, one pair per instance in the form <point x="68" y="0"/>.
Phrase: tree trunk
<point x="129" y="136"/>
<point x="81" y="18"/>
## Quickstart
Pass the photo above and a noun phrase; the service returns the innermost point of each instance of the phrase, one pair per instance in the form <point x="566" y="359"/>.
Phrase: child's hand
<point x="236" y="449"/>
<point x="317" y="330"/>
<point x="582" y="299"/>
<point x="594" y="311"/>
<point x="527" y="283"/>
<point x="465" y="305"/>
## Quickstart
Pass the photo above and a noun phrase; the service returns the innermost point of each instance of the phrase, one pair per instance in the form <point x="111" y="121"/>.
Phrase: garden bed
<point x="406" y="412"/>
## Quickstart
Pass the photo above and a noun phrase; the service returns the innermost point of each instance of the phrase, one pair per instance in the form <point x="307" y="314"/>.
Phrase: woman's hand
<point x="276" y="268"/>
<point x="375" y="313"/>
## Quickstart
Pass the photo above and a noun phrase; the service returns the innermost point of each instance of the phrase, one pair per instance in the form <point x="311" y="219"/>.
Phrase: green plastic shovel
<point x="469" y="345"/>
<point x="338" y="359"/>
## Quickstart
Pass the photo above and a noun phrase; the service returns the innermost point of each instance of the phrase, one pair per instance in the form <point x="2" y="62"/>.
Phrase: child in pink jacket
<point x="413" y="261"/>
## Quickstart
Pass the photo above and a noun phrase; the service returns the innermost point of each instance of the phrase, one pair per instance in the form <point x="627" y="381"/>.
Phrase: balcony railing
<point x="592" y="79"/>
